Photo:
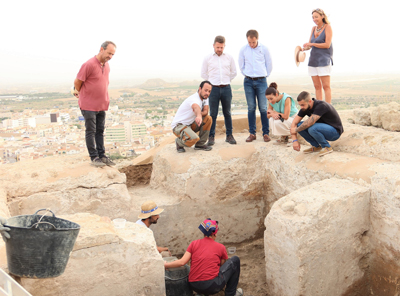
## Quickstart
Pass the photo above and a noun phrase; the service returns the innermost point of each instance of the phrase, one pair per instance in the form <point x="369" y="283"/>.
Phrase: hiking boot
<point x="239" y="292"/>
<point x="97" y="162"/>
<point x="179" y="148"/>
<point x="211" y="141"/>
<point x="204" y="147"/>
<point x="312" y="150"/>
<point x="251" y="138"/>
<point x="266" y="138"/>
<point x="107" y="161"/>
<point x="230" y="139"/>
<point x="325" y="150"/>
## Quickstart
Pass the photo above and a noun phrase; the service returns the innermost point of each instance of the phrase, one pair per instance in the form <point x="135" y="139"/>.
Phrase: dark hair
<point x="106" y="43"/>
<point x="204" y="82"/>
<point x="252" y="33"/>
<point x="272" y="89"/>
<point x="304" y="96"/>
<point x="219" y="39"/>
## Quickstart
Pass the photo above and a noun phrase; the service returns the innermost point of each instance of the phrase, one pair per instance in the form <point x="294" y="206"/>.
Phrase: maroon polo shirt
<point x="93" y="95"/>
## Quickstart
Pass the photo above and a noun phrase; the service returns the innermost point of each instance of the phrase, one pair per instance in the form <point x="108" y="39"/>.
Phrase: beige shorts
<point x="320" y="71"/>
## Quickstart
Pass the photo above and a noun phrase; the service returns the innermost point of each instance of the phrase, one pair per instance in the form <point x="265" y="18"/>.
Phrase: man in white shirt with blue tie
<point x="256" y="65"/>
<point x="219" y="68"/>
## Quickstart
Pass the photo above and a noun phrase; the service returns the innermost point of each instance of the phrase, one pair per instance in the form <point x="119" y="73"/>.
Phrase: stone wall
<point x="66" y="185"/>
<point x="315" y="239"/>
<point x="106" y="261"/>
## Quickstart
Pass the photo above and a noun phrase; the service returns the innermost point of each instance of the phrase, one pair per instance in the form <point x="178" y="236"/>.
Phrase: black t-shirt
<point x="328" y="114"/>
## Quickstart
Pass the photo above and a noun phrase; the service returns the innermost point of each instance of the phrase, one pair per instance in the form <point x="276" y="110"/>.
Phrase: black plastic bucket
<point x="176" y="281"/>
<point x="39" y="246"/>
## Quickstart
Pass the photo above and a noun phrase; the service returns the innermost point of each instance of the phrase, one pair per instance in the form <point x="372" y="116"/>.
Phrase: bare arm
<point x="309" y="41"/>
<point x="205" y="111"/>
<point x="293" y="132"/>
<point x="178" y="263"/>
<point x="328" y="39"/>
<point x="78" y="84"/>
<point x="307" y="123"/>
<point x="197" y="112"/>
<point x="223" y="261"/>
<point x="286" y="112"/>
<point x="162" y="249"/>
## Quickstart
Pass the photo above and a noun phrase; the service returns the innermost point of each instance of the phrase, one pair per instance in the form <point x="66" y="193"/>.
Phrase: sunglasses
<point x="319" y="10"/>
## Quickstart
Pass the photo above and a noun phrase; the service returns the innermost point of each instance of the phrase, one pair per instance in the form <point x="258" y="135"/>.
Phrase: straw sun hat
<point x="299" y="55"/>
<point x="149" y="208"/>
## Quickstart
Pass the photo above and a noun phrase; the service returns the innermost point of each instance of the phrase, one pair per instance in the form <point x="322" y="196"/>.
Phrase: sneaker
<point x="97" y="162"/>
<point x="179" y="148"/>
<point x="107" y="161"/>
<point x="211" y="141"/>
<point x="239" y="292"/>
<point x="312" y="150"/>
<point x="325" y="150"/>
<point x="230" y="139"/>
<point x="204" y="147"/>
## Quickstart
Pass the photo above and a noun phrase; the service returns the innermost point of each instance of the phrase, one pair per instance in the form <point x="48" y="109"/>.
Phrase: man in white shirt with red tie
<point x="219" y="68"/>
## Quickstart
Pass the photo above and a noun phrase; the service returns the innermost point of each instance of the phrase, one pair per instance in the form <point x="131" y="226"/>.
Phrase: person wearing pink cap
<point x="210" y="268"/>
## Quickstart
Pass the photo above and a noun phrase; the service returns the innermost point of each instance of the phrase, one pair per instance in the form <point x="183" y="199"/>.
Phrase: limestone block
<point x="112" y="201"/>
<point x="314" y="239"/>
<point x="66" y="185"/>
<point x="107" y="261"/>
<point x="362" y="116"/>
<point x="385" y="230"/>
<point x="386" y="116"/>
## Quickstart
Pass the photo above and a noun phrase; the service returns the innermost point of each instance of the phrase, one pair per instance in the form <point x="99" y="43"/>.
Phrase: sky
<point x="46" y="42"/>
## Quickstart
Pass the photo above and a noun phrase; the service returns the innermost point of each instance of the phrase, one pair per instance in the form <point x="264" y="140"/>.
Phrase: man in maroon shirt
<point x="210" y="269"/>
<point x="91" y="88"/>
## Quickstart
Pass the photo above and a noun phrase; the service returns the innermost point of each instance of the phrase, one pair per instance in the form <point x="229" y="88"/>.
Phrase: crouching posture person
<point x="281" y="112"/>
<point x="323" y="125"/>
<point x="192" y="117"/>
<point x="210" y="269"/>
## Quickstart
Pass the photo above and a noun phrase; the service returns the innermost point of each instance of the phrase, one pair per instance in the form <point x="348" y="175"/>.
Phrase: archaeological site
<point x="303" y="225"/>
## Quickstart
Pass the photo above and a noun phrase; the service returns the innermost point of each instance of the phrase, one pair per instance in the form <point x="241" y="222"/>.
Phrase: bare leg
<point x="318" y="87"/>
<point x="326" y="85"/>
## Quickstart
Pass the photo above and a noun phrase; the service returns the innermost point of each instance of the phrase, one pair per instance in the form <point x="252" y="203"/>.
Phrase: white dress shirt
<point x="219" y="70"/>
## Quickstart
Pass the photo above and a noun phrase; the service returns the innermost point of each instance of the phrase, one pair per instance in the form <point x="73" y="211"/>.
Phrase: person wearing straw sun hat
<point x="149" y="214"/>
<point x="210" y="270"/>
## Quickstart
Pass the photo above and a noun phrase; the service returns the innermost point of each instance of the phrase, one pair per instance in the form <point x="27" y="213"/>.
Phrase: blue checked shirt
<point x="255" y="62"/>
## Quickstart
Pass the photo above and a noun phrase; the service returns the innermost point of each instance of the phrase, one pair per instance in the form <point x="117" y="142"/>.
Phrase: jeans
<point x="319" y="134"/>
<point x="228" y="275"/>
<point x="253" y="89"/>
<point x="223" y="94"/>
<point x="94" y="134"/>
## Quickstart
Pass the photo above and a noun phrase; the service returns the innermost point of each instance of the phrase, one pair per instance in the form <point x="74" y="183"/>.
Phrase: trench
<point x="377" y="276"/>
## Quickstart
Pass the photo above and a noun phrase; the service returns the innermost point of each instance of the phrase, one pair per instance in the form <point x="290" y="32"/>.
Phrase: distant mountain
<point x="190" y="83"/>
<point x="156" y="83"/>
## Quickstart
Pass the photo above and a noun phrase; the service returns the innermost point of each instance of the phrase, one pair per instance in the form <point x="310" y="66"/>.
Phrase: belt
<point x="255" y="78"/>
<point x="222" y="85"/>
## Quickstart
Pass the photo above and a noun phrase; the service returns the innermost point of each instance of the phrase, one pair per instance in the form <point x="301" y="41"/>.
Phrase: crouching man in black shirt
<point x="323" y="125"/>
